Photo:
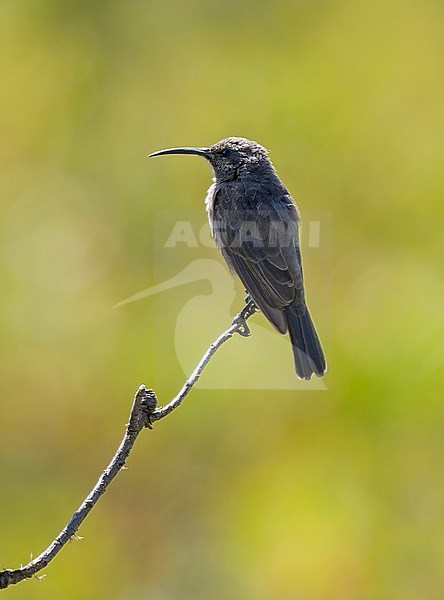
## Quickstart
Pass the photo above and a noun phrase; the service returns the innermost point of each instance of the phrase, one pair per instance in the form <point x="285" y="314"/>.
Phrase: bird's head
<point x="227" y="157"/>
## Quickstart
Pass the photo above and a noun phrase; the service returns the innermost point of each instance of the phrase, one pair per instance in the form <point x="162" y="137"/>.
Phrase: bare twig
<point x="143" y="414"/>
<point x="239" y="325"/>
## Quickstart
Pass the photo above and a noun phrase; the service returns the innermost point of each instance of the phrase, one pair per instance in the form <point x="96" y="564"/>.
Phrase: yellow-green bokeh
<point x="333" y="495"/>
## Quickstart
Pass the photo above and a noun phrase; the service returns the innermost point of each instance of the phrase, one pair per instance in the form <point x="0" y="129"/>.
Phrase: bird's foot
<point x="241" y="319"/>
<point x="242" y="327"/>
<point x="250" y="307"/>
<point x="249" y="303"/>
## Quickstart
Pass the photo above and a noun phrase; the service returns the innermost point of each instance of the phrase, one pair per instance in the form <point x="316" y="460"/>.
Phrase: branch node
<point x="148" y="406"/>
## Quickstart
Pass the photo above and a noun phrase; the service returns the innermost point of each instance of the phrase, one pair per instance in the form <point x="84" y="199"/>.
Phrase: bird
<point x="255" y="224"/>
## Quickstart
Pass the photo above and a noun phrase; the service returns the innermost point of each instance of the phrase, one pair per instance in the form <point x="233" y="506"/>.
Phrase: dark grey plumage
<point x="255" y="224"/>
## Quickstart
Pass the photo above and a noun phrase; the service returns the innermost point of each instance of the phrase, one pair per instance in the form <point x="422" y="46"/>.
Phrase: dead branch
<point x="144" y="413"/>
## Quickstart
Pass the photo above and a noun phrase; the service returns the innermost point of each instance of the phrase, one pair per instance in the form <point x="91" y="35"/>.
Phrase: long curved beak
<point x="198" y="151"/>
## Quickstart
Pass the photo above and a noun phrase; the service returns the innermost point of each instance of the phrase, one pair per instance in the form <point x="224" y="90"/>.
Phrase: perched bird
<point x="255" y="224"/>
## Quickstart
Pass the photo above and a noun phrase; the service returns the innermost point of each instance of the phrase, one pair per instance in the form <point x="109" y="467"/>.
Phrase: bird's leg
<point x="249" y="303"/>
<point x="241" y="319"/>
<point x="250" y="307"/>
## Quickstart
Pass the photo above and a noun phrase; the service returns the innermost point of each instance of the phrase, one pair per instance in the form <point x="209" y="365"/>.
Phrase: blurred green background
<point x="259" y="495"/>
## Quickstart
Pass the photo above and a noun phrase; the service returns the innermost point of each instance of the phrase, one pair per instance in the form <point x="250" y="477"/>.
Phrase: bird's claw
<point x="250" y="308"/>
<point x="242" y="327"/>
<point x="241" y="320"/>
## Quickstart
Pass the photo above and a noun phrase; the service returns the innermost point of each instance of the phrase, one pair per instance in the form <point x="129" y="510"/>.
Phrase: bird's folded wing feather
<point x="258" y="235"/>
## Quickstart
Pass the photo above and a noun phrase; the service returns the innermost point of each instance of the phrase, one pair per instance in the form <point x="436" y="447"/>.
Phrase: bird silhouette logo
<point x="261" y="362"/>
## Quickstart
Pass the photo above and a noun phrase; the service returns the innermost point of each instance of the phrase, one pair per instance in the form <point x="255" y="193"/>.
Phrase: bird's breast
<point x="209" y="204"/>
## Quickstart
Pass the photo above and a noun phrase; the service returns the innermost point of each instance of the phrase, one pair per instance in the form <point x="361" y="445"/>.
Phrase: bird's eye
<point x="226" y="152"/>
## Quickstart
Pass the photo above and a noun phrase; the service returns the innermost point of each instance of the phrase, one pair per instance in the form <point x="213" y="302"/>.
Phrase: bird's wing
<point x="258" y="233"/>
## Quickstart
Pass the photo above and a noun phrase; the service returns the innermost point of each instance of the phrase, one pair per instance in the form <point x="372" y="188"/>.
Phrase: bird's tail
<point x="309" y="357"/>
